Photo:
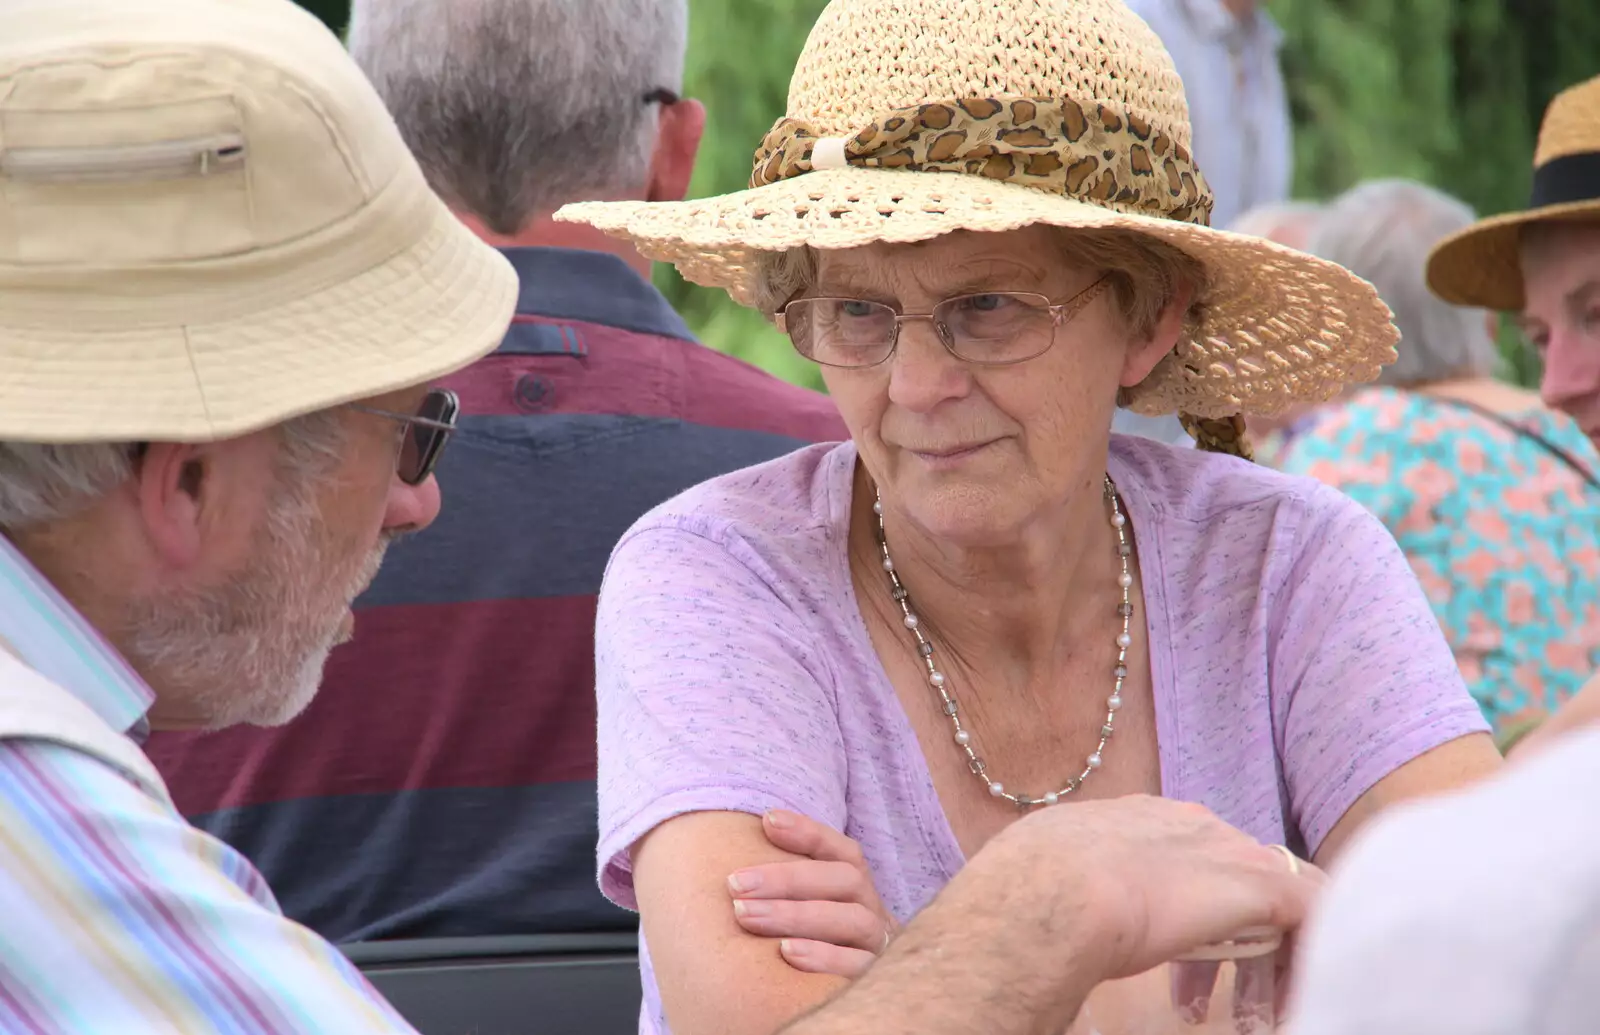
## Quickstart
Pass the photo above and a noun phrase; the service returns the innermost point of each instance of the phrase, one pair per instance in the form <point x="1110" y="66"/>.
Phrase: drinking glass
<point x="1224" y="989"/>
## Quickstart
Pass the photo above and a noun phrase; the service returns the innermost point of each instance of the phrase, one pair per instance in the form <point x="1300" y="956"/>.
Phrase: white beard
<point x="252" y="650"/>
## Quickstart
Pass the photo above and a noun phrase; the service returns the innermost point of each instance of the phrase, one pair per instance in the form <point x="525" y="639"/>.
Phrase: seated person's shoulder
<point x="105" y="887"/>
<point x="786" y="506"/>
<point x="47" y="787"/>
<point x="1496" y="889"/>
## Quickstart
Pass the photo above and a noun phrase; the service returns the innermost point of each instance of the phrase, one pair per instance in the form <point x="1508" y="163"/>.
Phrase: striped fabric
<point x="116" y="916"/>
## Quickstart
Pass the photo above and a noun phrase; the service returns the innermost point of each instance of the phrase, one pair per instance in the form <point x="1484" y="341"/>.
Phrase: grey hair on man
<point x="42" y="483"/>
<point x="515" y="107"/>
<point x="1383" y="230"/>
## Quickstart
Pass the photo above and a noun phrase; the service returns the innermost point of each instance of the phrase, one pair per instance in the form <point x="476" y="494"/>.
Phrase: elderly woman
<point x="981" y="218"/>
<point x="1493" y="498"/>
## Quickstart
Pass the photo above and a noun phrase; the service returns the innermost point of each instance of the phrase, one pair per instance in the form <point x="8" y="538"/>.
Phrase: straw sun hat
<point x="909" y="119"/>
<point x="209" y="224"/>
<point x="1482" y="265"/>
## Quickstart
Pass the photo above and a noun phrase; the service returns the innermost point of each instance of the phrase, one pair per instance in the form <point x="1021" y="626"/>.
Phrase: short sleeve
<point x="1363" y="680"/>
<point x="120" y="917"/>
<point x="713" y="693"/>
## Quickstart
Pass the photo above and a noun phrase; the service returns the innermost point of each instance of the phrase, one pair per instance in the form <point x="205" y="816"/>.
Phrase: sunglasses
<point x="426" y="433"/>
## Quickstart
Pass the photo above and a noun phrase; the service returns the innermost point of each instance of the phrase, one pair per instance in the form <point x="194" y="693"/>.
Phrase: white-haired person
<point x="1493" y="497"/>
<point x="985" y="223"/>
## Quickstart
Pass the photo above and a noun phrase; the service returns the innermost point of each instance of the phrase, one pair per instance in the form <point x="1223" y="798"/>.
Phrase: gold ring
<point x="1294" y="862"/>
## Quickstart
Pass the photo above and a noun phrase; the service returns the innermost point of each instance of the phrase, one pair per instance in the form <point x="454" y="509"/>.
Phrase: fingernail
<point x="789" y="948"/>
<point x="744" y="882"/>
<point x="779" y="819"/>
<point x="751" y="909"/>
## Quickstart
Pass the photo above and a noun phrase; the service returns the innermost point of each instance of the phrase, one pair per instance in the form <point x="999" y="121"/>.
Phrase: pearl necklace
<point x="936" y="678"/>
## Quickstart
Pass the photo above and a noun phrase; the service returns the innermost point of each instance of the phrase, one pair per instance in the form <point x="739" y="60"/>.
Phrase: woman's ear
<point x="1144" y="353"/>
<point x="170" y="480"/>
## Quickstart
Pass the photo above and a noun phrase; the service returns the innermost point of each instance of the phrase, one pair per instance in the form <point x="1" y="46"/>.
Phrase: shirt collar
<point x="592" y="287"/>
<point x="52" y="638"/>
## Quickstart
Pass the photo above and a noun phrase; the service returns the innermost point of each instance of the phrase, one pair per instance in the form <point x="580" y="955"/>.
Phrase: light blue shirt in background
<point x="1238" y="107"/>
<point x="1239" y="112"/>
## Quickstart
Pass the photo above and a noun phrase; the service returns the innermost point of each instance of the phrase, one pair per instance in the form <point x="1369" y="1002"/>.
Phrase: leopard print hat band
<point x="1091" y="152"/>
<point x="968" y="82"/>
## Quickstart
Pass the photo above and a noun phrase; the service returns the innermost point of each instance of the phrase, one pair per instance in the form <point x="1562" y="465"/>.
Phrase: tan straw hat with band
<point x="1482" y="265"/>
<point x="209" y="224"/>
<point x="909" y="119"/>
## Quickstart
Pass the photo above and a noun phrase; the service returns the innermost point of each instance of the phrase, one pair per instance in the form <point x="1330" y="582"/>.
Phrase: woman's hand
<point x="824" y="907"/>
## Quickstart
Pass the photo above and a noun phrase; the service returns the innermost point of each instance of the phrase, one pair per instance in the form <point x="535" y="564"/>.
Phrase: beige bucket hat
<point x="1482" y="265"/>
<point x="1062" y="112"/>
<point x="209" y="224"/>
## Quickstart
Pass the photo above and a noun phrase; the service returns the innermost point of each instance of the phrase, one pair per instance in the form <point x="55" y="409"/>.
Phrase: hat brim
<point x="1482" y="265"/>
<point x="1277" y="326"/>
<point x="442" y="302"/>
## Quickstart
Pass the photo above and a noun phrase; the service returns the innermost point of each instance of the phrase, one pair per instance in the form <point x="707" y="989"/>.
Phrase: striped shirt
<point x="115" y="914"/>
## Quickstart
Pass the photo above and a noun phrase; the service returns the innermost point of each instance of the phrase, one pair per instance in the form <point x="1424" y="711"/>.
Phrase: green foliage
<point x="334" y="12"/>
<point x="1445" y="91"/>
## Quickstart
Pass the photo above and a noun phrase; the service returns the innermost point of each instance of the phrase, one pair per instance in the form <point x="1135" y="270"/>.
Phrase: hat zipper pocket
<point x="166" y="159"/>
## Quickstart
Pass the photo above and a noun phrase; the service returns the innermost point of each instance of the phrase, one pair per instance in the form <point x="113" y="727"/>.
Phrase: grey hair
<point x="1382" y="231"/>
<point x="515" y="107"/>
<point x="43" y="483"/>
<point x="780" y="276"/>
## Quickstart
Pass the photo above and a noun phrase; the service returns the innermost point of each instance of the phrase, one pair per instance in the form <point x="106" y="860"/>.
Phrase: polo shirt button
<point x="532" y="393"/>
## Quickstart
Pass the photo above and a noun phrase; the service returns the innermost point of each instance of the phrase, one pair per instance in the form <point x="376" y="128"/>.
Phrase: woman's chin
<point x="970" y="513"/>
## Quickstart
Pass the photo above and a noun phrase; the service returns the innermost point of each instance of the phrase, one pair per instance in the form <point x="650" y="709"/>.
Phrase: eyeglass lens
<point x="995" y="327"/>
<point x="420" y="449"/>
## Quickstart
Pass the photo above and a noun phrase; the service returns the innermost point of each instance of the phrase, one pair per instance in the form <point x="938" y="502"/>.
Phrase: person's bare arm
<point x="1582" y="709"/>
<point x="714" y="977"/>
<point x="1058" y="902"/>
<point x="1450" y="766"/>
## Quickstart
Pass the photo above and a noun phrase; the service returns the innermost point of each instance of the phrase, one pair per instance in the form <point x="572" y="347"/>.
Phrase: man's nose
<point x="411" y="507"/>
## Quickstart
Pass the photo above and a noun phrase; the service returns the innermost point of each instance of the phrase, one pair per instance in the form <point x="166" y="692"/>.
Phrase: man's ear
<point x="1144" y="353"/>
<point x="682" y="125"/>
<point x="171" y="481"/>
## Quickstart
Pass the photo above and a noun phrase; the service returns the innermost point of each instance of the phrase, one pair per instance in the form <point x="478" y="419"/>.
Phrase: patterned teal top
<point x="1503" y="535"/>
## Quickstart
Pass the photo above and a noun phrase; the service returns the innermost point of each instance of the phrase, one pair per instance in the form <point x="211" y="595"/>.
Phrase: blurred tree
<point x="1445" y="91"/>
<point x="741" y="53"/>
<point x="336" y="13"/>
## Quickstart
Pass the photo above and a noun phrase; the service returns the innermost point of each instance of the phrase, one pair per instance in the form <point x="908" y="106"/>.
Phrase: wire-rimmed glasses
<point x="989" y="328"/>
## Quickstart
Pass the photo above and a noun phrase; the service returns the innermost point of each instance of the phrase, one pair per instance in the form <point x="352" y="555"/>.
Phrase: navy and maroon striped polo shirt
<point x="442" y="783"/>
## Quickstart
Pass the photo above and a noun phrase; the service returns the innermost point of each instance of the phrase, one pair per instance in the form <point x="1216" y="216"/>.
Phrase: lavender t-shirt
<point x="1294" y="663"/>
